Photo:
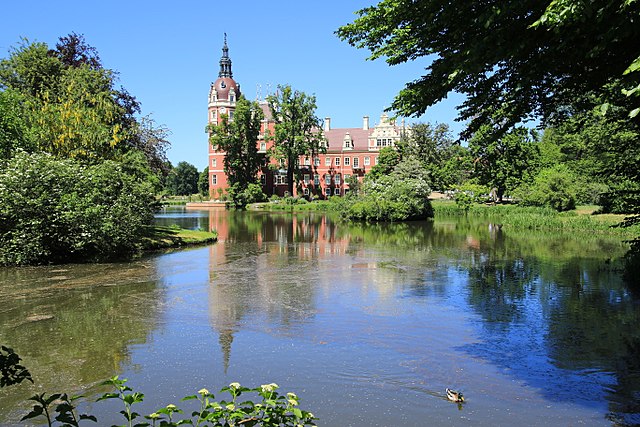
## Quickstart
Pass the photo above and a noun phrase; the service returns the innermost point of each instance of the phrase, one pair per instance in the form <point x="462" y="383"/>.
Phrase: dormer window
<point x="347" y="142"/>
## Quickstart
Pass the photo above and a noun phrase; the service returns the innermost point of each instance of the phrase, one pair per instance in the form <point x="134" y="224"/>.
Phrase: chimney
<point x="327" y="124"/>
<point x="365" y="123"/>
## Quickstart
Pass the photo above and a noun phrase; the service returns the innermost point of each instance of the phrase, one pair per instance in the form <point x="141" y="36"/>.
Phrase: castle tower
<point x="223" y="95"/>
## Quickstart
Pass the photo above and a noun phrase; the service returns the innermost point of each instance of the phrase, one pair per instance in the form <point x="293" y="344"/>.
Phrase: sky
<point x="167" y="55"/>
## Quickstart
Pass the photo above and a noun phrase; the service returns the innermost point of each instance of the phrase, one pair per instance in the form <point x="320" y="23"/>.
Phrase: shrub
<point x="54" y="211"/>
<point x="554" y="187"/>
<point x="388" y="199"/>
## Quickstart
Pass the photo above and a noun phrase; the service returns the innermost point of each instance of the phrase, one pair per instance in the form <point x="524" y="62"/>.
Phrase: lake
<point x="368" y="324"/>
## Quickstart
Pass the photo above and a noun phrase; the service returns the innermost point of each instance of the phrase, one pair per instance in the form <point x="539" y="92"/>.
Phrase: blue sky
<point x="167" y="55"/>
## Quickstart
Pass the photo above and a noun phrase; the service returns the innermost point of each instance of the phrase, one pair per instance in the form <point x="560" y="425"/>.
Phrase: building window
<point x="316" y="179"/>
<point x="231" y="115"/>
<point x="307" y="161"/>
<point x="367" y="161"/>
<point x="214" y="179"/>
<point x="213" y="116"/>
<point x="327" y="191"/>
<point x="281" y="179"/>
<point x="263" y="179"/>
<point x="232" y="98"/>
<point x="378" y="142"/>
<point x="337" y="161"/>
<point x="327" y="161"/>
<point x="336" y="191"/>
<point x="375" y="160"/>
<point x="263" y="146"/>
<point x="327" y="179"/>
<point x="347" y="161"/>
<point x="346" y="178"/>
<point x="337" y="179"/>
<point x="306" y="179"/>
<point x="316" y="161"/>
<point x="305" y="191"/>
<point x="356" y="162"/>
<point x="214" y="163"/>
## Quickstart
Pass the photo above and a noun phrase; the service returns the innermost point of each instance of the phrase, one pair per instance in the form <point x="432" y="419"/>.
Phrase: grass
<point x="534" y="218"/>
<point x="173" y="237"/>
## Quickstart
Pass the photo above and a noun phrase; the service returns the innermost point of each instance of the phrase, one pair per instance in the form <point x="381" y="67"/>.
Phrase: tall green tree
<point x="504" y="163"/>
<point x="183" y="180"/>
<point x="513" y="60"/>
<point x="298" y="131"/>
<point x="203" y="182"/>
<point x="433" y="146"/>
<point x="238" y="138"/>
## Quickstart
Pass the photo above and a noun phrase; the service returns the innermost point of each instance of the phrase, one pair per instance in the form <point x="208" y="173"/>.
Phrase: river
<point x="368" y="324"/>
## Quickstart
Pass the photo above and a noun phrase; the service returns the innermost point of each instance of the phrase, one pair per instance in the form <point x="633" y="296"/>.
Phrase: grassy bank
<point x="533" y="218"/>
<point x="173" y="237"/>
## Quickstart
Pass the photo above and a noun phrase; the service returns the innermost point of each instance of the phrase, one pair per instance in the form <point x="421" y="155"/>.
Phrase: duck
<point x="455" y="396"/>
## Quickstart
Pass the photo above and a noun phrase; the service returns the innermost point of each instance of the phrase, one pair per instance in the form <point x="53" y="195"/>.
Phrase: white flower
<point x="203" y="391"/>
<point x="234" y="386"/>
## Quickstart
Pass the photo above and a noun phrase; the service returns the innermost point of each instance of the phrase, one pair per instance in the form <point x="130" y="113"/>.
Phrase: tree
<point x="554" y="187"/>
<point x="203" y="182"/>
<point x="298" y="132"/>
<point x="512" y="60"/>
<point x="54" y="211"/>
<point x="388" y="159"/>
<point x="71" y="107"/>
<point x="504" y="163"/>
<point x="433" y="146"/>
<point x="183" y="180"/>
<point x="238" y="138"/>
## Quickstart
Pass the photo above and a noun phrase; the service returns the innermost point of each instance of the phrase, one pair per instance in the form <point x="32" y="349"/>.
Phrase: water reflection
<point x="534" y="328"/>
<point x="73" y="325"/>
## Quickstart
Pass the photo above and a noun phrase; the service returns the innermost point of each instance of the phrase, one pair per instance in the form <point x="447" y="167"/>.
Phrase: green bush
<point x="54" y="211"/>
<point x="388" y="199"/>
<point x="554" y="187"/>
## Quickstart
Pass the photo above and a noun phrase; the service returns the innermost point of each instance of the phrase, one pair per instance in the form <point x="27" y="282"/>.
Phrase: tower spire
<point x="225" y="61"/>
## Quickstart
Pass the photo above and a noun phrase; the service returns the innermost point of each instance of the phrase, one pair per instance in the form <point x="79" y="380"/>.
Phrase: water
<point x="367" y="324"/>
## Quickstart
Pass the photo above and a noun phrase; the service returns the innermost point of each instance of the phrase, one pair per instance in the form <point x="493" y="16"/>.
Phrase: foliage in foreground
<point x="55" y="211"/>
<point x="272" y="409"/>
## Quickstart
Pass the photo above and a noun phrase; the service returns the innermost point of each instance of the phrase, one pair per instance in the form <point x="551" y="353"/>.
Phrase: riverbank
<point x="160" y="237"/>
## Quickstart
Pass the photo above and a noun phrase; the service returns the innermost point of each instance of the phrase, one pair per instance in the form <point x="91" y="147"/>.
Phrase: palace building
<point x="349" y="151"/>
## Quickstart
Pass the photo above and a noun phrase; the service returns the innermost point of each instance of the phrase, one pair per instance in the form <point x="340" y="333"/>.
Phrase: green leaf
<point x="635" y="66"/>
<point x="297" y="412"/>
<point x="189" y="397"/>
<point x="108" y="396"/>
<point x="634" y="112"/>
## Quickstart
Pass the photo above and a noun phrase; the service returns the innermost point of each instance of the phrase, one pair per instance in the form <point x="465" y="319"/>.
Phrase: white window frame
<point x="316" y="179"/>
<point x="316" y="161"/>
<point x="337" y="162"/>
<point x="327" y="179"/>
<point x="214" y="179"/>
<point x="367" y="161"/>
<point x="347" y="161"/>
<point x="327" y="191"/>
<point x="337" y="178"/>
<point x="356" y="162"/>
<point x="336" y="191"/>
<point x="306" y="178"/>
<point x="327" y="161"/>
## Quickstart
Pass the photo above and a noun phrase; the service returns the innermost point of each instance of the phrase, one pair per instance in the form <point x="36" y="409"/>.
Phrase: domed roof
<point x="224" y="85"/>
<point x="225" y="81"/>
